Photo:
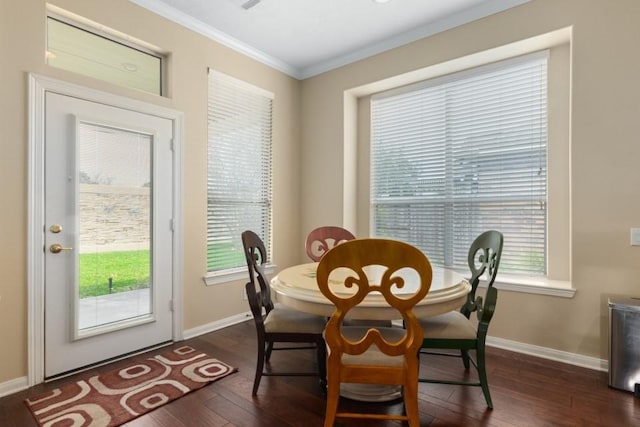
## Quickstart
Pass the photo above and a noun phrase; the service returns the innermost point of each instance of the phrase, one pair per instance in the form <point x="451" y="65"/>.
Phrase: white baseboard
<point x="13" y="386"/>
<point x="218" y="324"/>
<point x="549" y="353"/>
<point x="518" y="347"/>
<point x="19" y="384"/>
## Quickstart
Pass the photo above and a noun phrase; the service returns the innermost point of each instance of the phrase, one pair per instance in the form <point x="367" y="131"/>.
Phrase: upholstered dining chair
<point x="321" y="239"/>
<point x="368" y="354"/>
<point x="275" y="323"/>
<point x="318" y="242"/>
<point x="456" y="330"/>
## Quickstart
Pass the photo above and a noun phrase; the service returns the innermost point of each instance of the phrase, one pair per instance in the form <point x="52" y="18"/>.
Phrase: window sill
<point x="232" y="275"/>
<point x="534" y="285"/>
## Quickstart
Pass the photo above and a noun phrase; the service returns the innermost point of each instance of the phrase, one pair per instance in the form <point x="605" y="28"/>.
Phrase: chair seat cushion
<point x="367" y="323"/>
<point x="283" y="319"/>
<point x="373" y="355"/>
<point x="451" y="325"/>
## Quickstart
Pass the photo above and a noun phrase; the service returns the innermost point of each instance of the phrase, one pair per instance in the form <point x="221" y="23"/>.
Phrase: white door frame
<point x="38" y="86"/>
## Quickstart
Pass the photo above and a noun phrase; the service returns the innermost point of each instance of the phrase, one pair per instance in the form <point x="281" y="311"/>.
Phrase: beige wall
<point x="605" y="153"/>
<point x="22" y="26"/>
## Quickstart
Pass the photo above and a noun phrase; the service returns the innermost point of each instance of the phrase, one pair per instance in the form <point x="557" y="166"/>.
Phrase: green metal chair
<point x="455" y="330"/>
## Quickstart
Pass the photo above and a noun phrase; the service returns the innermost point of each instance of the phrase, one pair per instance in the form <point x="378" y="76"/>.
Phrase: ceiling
<point x="304" y="38"/>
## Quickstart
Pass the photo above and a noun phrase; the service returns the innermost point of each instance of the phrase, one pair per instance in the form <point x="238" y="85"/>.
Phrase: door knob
<point x="56" y="248"/>
<point x="55" y="228"/>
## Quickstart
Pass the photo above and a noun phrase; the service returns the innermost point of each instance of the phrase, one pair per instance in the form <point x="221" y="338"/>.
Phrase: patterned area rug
<point x="113" y="398"/>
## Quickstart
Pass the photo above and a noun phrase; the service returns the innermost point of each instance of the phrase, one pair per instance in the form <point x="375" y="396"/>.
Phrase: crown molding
<point x="483" y="10"/>
<point x="200" y="27"/>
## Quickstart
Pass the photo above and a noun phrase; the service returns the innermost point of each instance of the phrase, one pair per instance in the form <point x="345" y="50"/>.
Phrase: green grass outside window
<point x="128" y="270"/>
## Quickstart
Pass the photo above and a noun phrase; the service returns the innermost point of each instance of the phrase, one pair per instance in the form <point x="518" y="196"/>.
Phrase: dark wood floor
<point x="526" y="391"/>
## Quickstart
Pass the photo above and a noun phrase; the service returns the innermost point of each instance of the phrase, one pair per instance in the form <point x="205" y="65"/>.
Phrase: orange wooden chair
<point x="373" y="355"/>
<point x="320" y="240"/>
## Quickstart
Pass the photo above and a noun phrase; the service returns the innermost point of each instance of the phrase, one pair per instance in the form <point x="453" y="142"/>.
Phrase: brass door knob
<point x="56" y="248"/>
<point x="55" y="228"/>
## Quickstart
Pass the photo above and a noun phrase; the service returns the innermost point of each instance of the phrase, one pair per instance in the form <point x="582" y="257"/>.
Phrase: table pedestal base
<point x="370" y="392"/>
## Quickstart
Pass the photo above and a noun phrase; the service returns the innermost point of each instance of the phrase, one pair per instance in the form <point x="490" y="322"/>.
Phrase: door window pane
<point x="114" y="218"/>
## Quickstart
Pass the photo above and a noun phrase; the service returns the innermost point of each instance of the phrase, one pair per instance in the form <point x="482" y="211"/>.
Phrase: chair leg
<point x="410" y="391"/>
<point x="269" y="350"/>
<point x="465" y="358"/>
<point x="333" y="396"/>
<point x="482" y="374"/>
<point x="321" y="354"/>
<point x="259" y="367"/>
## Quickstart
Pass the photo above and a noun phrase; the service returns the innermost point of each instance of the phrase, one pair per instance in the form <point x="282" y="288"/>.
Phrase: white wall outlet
<point x="635" y="237"/>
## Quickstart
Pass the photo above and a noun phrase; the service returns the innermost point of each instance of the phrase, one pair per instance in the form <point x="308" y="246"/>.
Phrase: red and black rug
<point x="113" y="398"/>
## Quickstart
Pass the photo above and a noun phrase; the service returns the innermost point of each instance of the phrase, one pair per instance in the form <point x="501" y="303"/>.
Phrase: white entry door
<point x="108" y="232"/>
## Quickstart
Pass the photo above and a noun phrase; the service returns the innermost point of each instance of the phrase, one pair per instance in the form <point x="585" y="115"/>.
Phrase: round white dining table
<point x="296" y="287"/>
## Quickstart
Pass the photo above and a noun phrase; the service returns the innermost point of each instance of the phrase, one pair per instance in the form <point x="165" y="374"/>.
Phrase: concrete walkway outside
<point x="96" y="311"/>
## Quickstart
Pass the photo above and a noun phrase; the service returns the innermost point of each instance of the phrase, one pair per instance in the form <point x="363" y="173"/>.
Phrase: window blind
<point x="455" y="156"/>
<point x="239" y="169"/>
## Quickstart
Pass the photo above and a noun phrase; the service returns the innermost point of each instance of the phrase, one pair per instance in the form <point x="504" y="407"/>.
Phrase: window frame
<point x="83" y="24"/>
<point x="558" y="282"/>
<point x="444" y="150"/>
<point x="213" y="277"/>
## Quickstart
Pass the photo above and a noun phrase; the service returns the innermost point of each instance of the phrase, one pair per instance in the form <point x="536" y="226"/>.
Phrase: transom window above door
<point x="82" y="46"/>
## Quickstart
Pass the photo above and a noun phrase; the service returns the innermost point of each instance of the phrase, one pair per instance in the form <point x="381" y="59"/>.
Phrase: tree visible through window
<point x="458" y="155"/>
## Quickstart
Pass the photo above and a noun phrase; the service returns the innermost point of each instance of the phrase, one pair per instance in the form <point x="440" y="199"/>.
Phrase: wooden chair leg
<point x="482" y="374"/>
<point x="259" y="367"/>
<point x="269" y="350"/>
<point x="410" y="392"/>
<point x="321" y="354"/>
<point x="333" y="397"/>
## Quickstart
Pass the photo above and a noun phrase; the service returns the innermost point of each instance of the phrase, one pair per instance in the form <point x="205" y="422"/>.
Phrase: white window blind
<point x="239" y="169"/>
<point x="458" y="155"/>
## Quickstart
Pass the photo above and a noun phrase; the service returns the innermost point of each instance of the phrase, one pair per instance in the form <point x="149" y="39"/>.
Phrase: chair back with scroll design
<point x="455" y="330"/>
<point x="276" y="324"/>
<point x="373" y="355"/>
<point x="256" y="256"/>
<point x="483" y="258"/>
<point x="320" y="240"/>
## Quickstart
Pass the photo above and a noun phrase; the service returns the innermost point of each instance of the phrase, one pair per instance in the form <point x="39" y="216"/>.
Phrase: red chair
<point x="320" y="240"/>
